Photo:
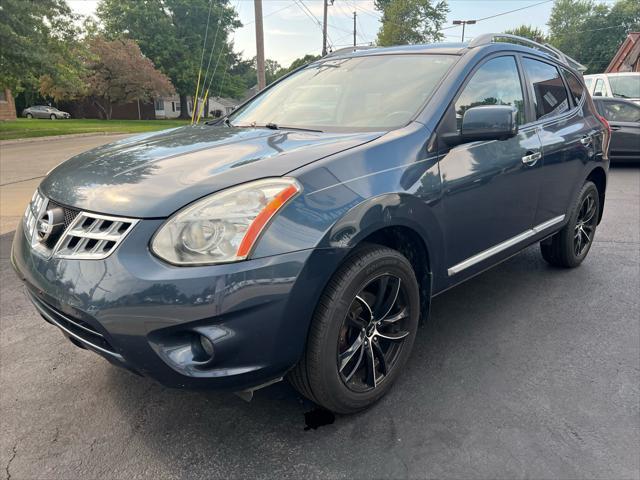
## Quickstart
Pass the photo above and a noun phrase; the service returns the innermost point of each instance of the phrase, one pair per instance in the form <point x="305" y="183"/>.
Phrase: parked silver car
<point x="43" y="111"/>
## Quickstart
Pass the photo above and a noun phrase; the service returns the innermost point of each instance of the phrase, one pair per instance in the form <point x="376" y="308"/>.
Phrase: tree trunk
<point x="184" y="107"/>
<point x="103" y="111"/>
<point x="109" y="111"/>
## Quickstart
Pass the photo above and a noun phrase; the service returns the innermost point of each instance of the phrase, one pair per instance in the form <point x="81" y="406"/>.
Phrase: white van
<point x="622" y="85"/>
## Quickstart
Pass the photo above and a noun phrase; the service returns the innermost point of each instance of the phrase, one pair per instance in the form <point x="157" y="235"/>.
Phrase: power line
<point x="268" y="15"/>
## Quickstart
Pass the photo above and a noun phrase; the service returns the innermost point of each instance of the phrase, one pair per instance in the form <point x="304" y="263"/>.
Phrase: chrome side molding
<point x="503" y="246"/>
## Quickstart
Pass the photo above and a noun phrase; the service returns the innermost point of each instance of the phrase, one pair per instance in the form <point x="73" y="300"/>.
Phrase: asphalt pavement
<point x="525" y="371"/>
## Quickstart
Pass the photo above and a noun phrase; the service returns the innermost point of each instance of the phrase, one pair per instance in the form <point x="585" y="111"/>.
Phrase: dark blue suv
<point x="305" y="234"/>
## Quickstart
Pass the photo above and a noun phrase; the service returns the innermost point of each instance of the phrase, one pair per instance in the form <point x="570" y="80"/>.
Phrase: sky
<point x="290" y="32"/>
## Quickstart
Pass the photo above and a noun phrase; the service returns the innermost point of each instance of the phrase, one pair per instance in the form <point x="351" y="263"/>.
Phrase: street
<point x="525" y="371"/>
<point x="24" y="164"/>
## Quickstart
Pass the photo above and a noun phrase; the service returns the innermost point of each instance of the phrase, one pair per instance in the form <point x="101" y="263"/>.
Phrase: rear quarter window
<point x="575" y="87"/>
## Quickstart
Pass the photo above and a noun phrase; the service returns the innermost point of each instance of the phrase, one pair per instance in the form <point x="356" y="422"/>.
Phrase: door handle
<point x="615" y="127"/>
<point x="531" y="158"/>
<point x="586" y="140"/>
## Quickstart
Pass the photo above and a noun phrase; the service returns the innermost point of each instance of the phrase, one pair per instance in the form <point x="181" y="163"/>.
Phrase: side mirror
<point x="489" y="122"/>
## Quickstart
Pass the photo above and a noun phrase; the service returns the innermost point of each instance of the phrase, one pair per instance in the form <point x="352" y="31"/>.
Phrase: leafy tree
<point x="38" y="38"/>
<point x="592" y="32"/>
<point x="119" y="73"/>
<point x="297" y="63"/>
<point x="411" y="21"/>
<point x="171" y="33"/>
<point x="271" y="70"/>
<point x="528" y="31"/>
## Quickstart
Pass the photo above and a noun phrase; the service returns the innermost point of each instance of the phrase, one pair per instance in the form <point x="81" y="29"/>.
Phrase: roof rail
<point x="340" y="51"/>
<point x="487" y="38"/>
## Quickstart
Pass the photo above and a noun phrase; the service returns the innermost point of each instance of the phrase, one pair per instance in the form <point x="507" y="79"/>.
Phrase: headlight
<point x="222" y="227"/>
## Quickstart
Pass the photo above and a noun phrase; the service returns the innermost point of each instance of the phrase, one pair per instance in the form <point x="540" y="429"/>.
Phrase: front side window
<point x="599" y="90"/>
<point x="496" y="82"/>
<point x="370" y="92"/>
<point x="625" y="86"/>
<point x="550" y="94"/>
<point x="575" y="87"/>
<point x="621" y="112"/>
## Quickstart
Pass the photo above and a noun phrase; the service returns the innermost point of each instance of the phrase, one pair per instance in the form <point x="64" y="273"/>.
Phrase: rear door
<point x="624" y="119"/>
<point x="565" y="126"/>
<point x="490" y="188"/>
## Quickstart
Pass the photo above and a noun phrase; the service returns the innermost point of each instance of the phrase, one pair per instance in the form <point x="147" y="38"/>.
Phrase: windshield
<point x="627" y="86"/>
<point x="373" y="92"/>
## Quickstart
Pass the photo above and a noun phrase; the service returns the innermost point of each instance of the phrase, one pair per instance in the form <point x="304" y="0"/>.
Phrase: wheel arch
<point x="399" y="221"/>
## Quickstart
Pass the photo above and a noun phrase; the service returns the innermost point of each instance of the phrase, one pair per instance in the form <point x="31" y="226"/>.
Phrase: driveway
<point x="24" y="164"/>
<point x="525" y="371"/>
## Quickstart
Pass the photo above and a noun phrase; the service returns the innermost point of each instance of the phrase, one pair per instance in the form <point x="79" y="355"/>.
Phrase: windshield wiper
<point x="275" y="126"/>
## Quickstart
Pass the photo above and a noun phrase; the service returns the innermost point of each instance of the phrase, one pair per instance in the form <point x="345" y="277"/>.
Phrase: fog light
<point x="202" y="349"/>
<point x="206" y="345"/>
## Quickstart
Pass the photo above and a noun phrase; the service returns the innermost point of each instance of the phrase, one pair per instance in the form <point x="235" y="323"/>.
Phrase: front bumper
<point x="142" y="314"/>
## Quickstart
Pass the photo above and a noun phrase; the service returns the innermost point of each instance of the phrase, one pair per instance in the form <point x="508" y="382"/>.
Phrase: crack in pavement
<point x="20" y="181"/>
<point x="14" y="451"/>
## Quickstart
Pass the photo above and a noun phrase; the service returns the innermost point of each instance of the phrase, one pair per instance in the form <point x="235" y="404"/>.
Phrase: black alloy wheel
<point x="373" y="333"/>
<point x="570" y="246"/>
<point x="586" y="224"/>
<point x="362" y="331"/>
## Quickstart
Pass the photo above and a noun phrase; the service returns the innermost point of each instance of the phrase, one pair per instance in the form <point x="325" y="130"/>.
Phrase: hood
<point x="153" y="175"/>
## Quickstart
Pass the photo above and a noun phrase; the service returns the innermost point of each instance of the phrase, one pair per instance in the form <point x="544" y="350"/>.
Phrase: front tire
<point x="570" y="246"/>
<point x="29" y="115"/>
<point x="53" y="116"/>
<point x="362" y="332"/>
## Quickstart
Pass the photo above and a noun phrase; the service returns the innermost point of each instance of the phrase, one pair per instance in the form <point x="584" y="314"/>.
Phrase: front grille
<point x="82" y="235"/>
<point x="69" y="213"/>
<point x="91" y="236"/>
<point x="76" y="328"/>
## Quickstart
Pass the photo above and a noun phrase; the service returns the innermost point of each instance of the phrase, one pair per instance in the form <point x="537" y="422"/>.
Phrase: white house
<point x="222" y="105"/>
<point x="169" y="107"/>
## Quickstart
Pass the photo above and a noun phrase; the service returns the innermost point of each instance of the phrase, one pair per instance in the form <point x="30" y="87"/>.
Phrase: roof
<point x="487" y="40"/>
<point x="436" y="48"/>
<point x="225" y="102"/>
<point x="627" y="58"/>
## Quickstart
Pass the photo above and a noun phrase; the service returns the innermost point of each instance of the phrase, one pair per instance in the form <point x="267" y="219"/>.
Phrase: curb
<point x="56" y="137"/>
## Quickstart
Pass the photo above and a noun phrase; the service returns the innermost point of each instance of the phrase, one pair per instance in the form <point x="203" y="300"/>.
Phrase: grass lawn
<point x="32" y="127"/>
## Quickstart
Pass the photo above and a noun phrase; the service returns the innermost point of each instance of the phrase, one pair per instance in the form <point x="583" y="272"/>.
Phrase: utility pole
<point x="464" y="23"/>
<point x="327" y="3"/>
<point x="354" y="29"/>
<point x="262" y="82"/>
<point x="324" y="27"/>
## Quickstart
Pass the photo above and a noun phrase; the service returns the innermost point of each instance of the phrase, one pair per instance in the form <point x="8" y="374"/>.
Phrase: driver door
<point x="490" y="188"/>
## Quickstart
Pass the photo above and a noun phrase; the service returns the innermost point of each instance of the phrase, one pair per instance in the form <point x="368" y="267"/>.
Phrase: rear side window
<point x="550" y="94"/>
<point x="575" y="87"/>
<point x="621" y="112"/>
<point x="496" y="82"/>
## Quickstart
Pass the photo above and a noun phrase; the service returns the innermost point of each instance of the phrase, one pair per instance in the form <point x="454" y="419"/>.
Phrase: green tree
<point x="171" y="33"/>
<point x="528" y="31"/>
<point x="592" y="32"/>
<point x="411" y="21"/>
<point x="119" y="73"/>
<point x="38" y="38"/>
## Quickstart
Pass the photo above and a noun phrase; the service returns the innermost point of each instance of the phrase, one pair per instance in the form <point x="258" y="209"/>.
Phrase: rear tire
<point x="362" y="331"/>
<point x="53" y="116"/>
<point x="570" y="246"/>
<point x="29" y="115"/>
